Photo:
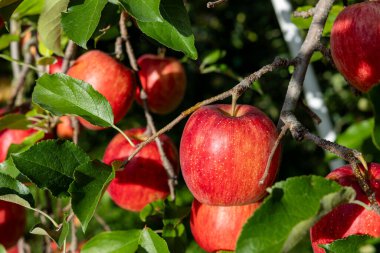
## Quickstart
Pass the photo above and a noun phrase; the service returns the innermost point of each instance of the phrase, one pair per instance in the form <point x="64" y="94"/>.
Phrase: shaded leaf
<point x="80" y="21"/>
<point x="14" y="191"/>
<point x="28" y="8"/>
<point x="53" y="167"/>
<point x="7" y="11"/>
<point x="4" y="3"/>
<point x="373" y="93"/>
<point x="294" y="206"/>
<point x="61" y="94"/>
<point x="175" y="31"/>
<point x="57" y="235"/>
<point x="143" y="10"/>
<point x="90" y="181"/>
<point x="49" y="24"/>
<point x="115" y="242"/>
<point x="356" y="134"/>
<point x="351" y="244"/>
<point x="6" y="39"/>
<point x="14" y="121"/>
<point x="152" y="242"/>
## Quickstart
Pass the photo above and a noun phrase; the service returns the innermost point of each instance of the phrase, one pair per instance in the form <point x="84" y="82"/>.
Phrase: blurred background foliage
<point x="236" y="38"/>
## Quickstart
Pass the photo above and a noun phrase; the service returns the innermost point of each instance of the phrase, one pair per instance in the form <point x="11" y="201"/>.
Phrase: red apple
<point x="12" y="223"/>
<point x="64" y="128"/>
<point x="164" y="81"/>
<point x="110" y="78"/>
<point x="355" y="44"/>
<point x="218" y="227"/>
<point x="348" y="219"/>
<point x="57" y="66"/>
<point x="223" y="157"/>
<point x="12" y="136"/>
<point x="143" y="179"/>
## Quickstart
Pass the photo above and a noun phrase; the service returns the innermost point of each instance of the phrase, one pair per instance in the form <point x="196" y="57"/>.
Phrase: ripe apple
<point x="57" y="66"/>
<point x="218" y="227"/>
<point x="64" y="128"/>
<point x="110" y="78"/>
<point x="143" y="179"/>
<point x="348" y="219"/>
<point x="223" y="157"/>
<point x="355" y="40"/>
<point x="12" y="136"/>
<point x="12" y="223"/>
<point x="164" y="81"/>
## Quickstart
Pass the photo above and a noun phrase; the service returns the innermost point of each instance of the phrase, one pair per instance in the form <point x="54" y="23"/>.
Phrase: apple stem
<point x="233" y="106"/>
<point x="284" y="129"/>
<point x="124" y="135"/>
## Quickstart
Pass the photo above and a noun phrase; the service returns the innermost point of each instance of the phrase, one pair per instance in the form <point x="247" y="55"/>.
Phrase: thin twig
<point x="74" y="239"/>
<point x="102" y="222"/>
<point x="15" y="49"/>
<point x="299" y="133"/>
<point x="172" y="177"/>
<point x="75" y="124"/>
<point x="304" y="55"/>
<point x="119" y="48"/>
<point x="69" y="55"/>
<point x="242" y="86"/>
<point x="326" y="53"/>
<point x="284" y="129"/>
<point x="215" y="3"/>
<point x="304" y="14"/>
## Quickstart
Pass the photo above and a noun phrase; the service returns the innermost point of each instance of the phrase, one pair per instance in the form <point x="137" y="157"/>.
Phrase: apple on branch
<point x="110" y="78"/>
<point x="224" y="156"/>
<point x="355" y="44"/>
<point x="349" y="219"/>
<point x="143" y="179"/>
<point x="218" y="227"/>
<point x="164" y="81"/>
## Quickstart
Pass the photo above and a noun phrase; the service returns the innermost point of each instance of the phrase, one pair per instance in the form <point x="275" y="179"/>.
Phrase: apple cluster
<point x="224" y="153"/>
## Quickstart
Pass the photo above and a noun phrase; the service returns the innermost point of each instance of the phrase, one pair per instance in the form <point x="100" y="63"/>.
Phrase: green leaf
<point x="7" y="167"/>
<point x="53" y="167"/>
<point x="14" y="121"/>
<point x="90" y="181"/>
<point x="302" y="23"/>
<point x="143" y="10"/>
<point x="115" y="242"/>
<point x="350" y="244"/>
<point x="8" y="58"/>
<point x="57" y="235"/>
<point x="4" y="3"/>
<point x="80" y="21"/>
<point x="212" y="57"/>
<point x="61" y="94"/>
<point x="356" y="134"/>
<point x="49" y="24"/>
<point x="151" y="209"/>
<point x="287" y="214"/>
<point x="14" y="191"/>
<point x="335" y="10"/>
<point x="26" y="143"/>
<point x="6" y="39"/>
<point x="28" y="8"/>
<point x="7" y="11"/>
<point x="175" y="31"/>
<point x="373" y="93"/>
<point x="2" y="249"/>
<point x="152" y="242"/>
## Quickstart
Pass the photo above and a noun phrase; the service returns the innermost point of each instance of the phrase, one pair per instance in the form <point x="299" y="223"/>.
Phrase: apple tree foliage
<point x="218" y="46"/>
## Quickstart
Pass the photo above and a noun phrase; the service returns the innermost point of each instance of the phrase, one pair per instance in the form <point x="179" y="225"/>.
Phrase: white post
<point x="313" y="94"/>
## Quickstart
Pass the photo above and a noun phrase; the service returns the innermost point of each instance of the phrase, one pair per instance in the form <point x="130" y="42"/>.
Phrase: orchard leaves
<point x="61" y="94"/>
<point x="287" y="214"/>
<point x="67" y="171"/>
<point x="126" y="241"/>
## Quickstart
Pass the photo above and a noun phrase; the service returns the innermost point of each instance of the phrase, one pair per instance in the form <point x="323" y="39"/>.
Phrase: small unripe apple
<point x="143" y="179"/>
<point x="57" y="66"/>
<point x="164" y="81"/>
<point x="349" y="219"/>
<point x="223" y="157"/>
<point x="110" y="78"/>
<point x="12" y="136"/>
<point x="218" y="227"/>
<point x="12" y="223"/>
<point x="64" y="128"/>
<point x="355" y="44"/>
